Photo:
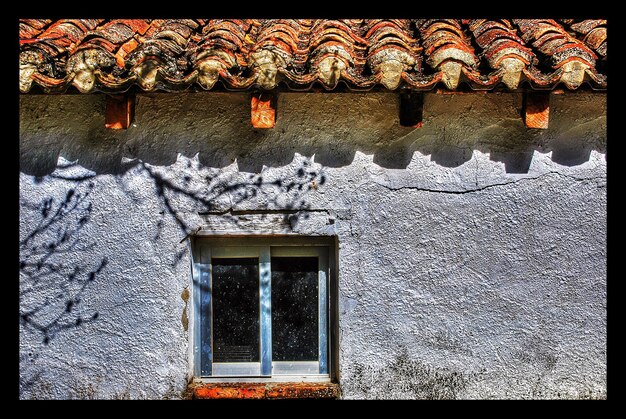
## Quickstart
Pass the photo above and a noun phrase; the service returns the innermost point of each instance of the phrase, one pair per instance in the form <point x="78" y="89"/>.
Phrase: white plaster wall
<point x="472" y="256"/>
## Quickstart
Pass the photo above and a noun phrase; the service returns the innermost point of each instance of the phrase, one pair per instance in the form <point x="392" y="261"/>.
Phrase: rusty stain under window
<point x="265" y="391"/>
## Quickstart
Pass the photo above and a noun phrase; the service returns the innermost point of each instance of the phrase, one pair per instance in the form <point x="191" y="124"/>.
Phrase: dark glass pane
<point x="294" y="309"/>
<point x="236" y="310"/>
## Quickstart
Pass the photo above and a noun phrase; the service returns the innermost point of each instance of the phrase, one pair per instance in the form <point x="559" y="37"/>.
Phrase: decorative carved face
<point x="574" y="73"/>
<point x="146" y="73"/>
<point x="391" y="72"/>
<point x="267" y="64"/>
<point x="26" y="76"/>
<point x="267" y="76"/>
<point x="389" y="64"/>
<point x="84" y="80"/>
<point x="450" y="62"/>
<point x="512" y="68"/>
<point x="451" y="73"/>
<point x="209" y="72"/>
<point x="82" y="66"/>
<point x="210" y="63"/>
<point x="330" y="69"/>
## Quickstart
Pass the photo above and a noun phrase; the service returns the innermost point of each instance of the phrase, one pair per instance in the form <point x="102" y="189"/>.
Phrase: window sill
<point x="300" y="390"/>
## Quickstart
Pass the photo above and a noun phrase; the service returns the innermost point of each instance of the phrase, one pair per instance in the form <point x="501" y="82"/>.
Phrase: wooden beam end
<point x="119" y="111"/>
<point x="412" y="110"/>
<point x="536" y="110"/>
<point x="263" y="109"/>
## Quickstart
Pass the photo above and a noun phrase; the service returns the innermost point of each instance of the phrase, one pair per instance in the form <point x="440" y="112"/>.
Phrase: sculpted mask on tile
<point x="146" y="73"/>
<point x="390" y="64"/>
<point x="266" y="64"/>
<point x="329" y="70"/>
<point x="81" y="67"/>
<point x="29" y="62"/>
<point x="512" y="71"/>
<point x="209" y="66"/>
<point x="573" y="73"/>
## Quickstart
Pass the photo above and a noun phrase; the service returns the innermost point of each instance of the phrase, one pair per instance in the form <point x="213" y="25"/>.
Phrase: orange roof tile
<point x="112" y="55"/>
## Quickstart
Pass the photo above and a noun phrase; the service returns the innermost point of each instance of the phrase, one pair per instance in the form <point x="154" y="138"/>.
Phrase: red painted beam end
<point x="536" y="110"/>
<point x="263" y="110"/>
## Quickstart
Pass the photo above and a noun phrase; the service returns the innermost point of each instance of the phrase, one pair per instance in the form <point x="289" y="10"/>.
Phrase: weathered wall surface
<point x="472" y="251"/>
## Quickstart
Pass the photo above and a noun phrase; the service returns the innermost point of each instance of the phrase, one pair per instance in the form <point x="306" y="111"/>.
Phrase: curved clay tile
<point x="112" y="55"/>
<point x="224" y="45"/>
<point x="503" y="49"/>
<point x="301" y="56"/>
<point x="162" y="57"/>
<point x="30" y="28"/>
<point x="282" y="35"/>
<point x="336" y="48"/>
<point x="563" y="52"/>
<point x="140" y="27"/>
<point x="391" y="50"/>
<point x="593" y="33"/>
<point x="65" y="33"/>
<point x="368" y="26"/>
<point x="275" y="49"/>
<point x="98" y="52"/>
<point x="233" y="31"/>
<point x="446" y="48"/>
<point x="43" y="54"/>
<point x="422" y="82"/>
<point x="34" y="62"/>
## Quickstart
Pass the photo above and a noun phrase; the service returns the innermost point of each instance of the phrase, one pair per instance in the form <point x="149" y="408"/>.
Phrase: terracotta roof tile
<point x="391" y="50"/>
<point x="593" y="34"/>
<point x="112" y="55"/>
<point x="569" y="57"/>
<point x="503" y="49"/>
<point x="30" y="28"/>
<point x="446" y="48"/>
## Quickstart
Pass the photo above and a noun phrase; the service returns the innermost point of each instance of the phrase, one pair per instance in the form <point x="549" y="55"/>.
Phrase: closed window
<point x="262" y="308"/>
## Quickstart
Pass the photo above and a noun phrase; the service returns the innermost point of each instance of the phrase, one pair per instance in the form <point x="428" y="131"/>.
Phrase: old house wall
<point x="472" y="251"/>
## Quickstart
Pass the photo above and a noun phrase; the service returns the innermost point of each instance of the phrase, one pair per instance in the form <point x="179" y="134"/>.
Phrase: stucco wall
<point x="472" y="251"/>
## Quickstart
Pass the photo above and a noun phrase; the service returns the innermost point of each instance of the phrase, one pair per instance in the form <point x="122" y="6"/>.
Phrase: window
<point x="262" y="308"/>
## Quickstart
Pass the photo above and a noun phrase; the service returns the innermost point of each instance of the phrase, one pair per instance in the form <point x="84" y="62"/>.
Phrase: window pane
<point x="294" y="309"/>
<point x="236" y="309"/>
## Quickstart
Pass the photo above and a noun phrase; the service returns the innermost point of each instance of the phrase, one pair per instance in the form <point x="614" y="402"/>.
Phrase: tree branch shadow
<point x="209" y="190"/>
<point x="52" y="288"/>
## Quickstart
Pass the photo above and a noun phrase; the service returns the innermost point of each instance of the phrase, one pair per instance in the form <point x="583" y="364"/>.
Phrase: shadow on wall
<point x="51" y="287"/>
<point x="54" y="233"/>
<point x="330" y="126"/>
<point x="56" y="247"/>
<point x="212" y="192"/>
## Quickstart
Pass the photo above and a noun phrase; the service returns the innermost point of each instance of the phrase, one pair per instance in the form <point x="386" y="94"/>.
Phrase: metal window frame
<point x="263" y="248"/>
<point x="229" y="369"/>
<point x="299" y="367"/>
